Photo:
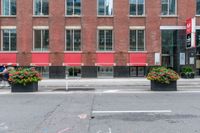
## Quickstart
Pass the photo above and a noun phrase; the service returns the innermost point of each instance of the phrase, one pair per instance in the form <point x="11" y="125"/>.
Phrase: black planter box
<point x="156" y="86"/>
<point x="33" y="87"/>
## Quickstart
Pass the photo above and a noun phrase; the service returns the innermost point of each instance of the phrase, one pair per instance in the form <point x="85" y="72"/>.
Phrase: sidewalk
<point x="132" y="84"/>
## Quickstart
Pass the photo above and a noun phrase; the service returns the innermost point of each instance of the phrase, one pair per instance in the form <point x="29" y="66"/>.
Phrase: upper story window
<point x="8" y="40"/>
<point x="41" y="7"/>
<point x="137" y="7"/>
<point x="168" y="7"/>
<point x="73" y="7"/>
<point x="105" y="7"/>
<point x="73" y="40"/>
<point x="41" y="40"/>
<point x="137" y="42"/>
<point x="105" y="40"/>
<point x="8" y="7"/>
<point x="198" y="7"/>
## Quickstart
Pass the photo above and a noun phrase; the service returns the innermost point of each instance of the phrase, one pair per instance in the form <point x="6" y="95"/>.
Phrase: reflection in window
<point x="8" y="7"/>
<point x="136" y="7"/>
<point x="41" y="40"/>
<point x="73" y="40"/>
<point x="137" y="40"/>
<point x="9" y="40"/>
<point x="73" y="71"/>
<point x="73" y="7"/>
<point x="41" y="7"/>
<point x="105" y="42"/>
<point x="105" y="7"/>
<point x="168" y="7"/>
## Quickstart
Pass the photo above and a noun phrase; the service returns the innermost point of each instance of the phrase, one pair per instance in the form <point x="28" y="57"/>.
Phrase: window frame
<point x="73" y="28"/>
<point x="176" y="6"/>
<point x="137" y="8"/>
<point x="73" y="15"/>
<point x="197" y="8"/>
<point x="137" y="29"/>
<point x="1" y="32"/>
<point x="111" y="29"/>
<point x="41" y="49"/>
<point x="104" y="15"/>
<point x="2" y="8"/>
<point x="41" y="14"/>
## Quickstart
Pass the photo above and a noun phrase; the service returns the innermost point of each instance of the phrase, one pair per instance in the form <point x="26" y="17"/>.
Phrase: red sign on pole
<point x="189" y="26"/>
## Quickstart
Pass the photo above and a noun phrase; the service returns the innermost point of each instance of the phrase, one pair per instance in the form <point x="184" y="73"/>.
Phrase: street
<point x="95" y="112"/>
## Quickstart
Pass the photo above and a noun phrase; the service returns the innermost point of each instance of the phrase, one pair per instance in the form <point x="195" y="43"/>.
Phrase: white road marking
<point x="110" y="91"/>
<point x="133" y="111"/>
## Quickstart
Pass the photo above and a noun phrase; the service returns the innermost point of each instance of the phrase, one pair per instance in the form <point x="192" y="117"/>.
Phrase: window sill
<point x="9" y="52"/>
<point x="40" y="52"/>
<point x="197" y="15"/>
<point x="169" y="16"/>
<point x="8" y="16"/>
<point x="72" y="52"/>
<point x="73" y="16"/>
<point x="137" y="51"/>
<point x="40" y="16"/>
<point x="137" y="16"/>
<point x="105" y="51"/>
<point x="105" y="16"/>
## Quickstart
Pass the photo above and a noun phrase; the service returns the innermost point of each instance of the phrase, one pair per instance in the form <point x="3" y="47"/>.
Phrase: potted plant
<point x="24" y="80"/>
<point x="187" y="72"/>
<point x="163" y="79"/>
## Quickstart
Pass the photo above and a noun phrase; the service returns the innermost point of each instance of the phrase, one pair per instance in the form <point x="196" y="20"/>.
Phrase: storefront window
<point x="105" y="71"/>
<point x="73" y="72"/>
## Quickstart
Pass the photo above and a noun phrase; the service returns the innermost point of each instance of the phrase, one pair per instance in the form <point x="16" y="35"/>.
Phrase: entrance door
<point x="104" y="72"/>
<point x="138" y="71"/>
<point x="73" y="72"/>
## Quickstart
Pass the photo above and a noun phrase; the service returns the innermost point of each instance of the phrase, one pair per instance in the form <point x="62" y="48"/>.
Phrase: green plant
<point x="24" y="76"/>
<point x="162" y="75"/>
<point x="187" y="72"/>
<point x="186" y="69"/>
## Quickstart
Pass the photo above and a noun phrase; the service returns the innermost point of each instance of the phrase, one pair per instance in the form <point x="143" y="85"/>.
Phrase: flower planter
<point x="156" y="86"/>
<point x="32" y="87"/>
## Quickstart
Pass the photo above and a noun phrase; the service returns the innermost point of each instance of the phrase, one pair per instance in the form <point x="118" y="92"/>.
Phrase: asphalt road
<point x="90" y="112"/>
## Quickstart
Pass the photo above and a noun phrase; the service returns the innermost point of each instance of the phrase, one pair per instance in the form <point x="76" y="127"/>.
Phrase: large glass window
<point x="105" y="7"/>
<point x="73" y="71"/>
<point x="73" y="40"/>
<point x="168" y="7"/>
<point x="41" y="40"/>
<point x="137" y="71"/>
<point x="105" y="42"/>
<point x="8" y="7"/>
<point x="104" y="71"/>
<point x="198" y="38"/>
<point x="137" y="42"/>
<point x="73" y="7"/>
<point x="9" y="40"/>
<point x="198" y="7"/>
<point x="173" y="43"/>
<point x="136" y="7"/>
<point x="44" y="71"/>
<point x="41" y="7"/>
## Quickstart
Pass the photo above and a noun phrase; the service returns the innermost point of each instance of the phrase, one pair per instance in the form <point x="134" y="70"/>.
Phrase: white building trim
<point x="105" y="27"/>
<point x="137" y="27"/>
<point x="40" y="27"/>
<point x="73" y="27"/>
<point x="172" y="27"/>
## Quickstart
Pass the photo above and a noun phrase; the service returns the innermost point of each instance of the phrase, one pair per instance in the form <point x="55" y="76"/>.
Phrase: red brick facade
<point x="89" y="21"/>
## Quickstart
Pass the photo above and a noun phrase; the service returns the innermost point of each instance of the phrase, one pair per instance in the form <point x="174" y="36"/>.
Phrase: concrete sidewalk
<point x="128" y="84"/>
<point x="115" y="83"/>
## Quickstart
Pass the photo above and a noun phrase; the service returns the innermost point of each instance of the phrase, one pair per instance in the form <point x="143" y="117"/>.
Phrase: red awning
<point x="105" y="59"/>
<point x="40" y="59"/>
<point x="8" y="58"/>
<point x="73" y="59"/>
<point x="138" y="59"/>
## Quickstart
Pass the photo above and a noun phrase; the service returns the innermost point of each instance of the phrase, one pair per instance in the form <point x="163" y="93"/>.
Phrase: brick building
<point x="98" y="38"/>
